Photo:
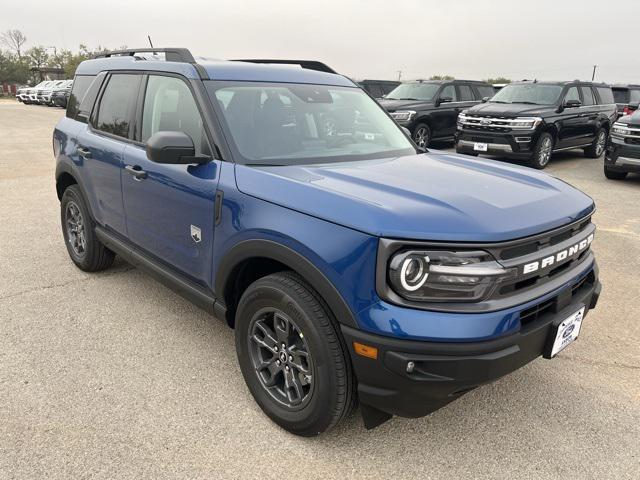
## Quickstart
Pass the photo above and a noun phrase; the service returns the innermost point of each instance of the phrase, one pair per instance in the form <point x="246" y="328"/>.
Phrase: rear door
<point x="590" y="115"/>
<point x="170" y="208"/>
<point x="100" y="147"/>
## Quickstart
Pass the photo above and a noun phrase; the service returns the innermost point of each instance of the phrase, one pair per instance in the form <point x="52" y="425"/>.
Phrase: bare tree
<point x="14" y="40"/>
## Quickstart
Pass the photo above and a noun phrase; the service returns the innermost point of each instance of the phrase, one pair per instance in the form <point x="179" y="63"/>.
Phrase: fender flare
<point x="295" y="261"/>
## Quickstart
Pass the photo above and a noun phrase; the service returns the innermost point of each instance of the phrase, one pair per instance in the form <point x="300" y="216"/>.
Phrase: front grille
<point x="483" y="128"/>
<point x="516" y="254"/>
<point x="632" y="140"/>
<point x="543" y="241"/>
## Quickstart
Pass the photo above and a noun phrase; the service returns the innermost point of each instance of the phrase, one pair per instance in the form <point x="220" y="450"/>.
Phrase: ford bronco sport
<point x="532" y="120"/>
<point x="281" y="198"/>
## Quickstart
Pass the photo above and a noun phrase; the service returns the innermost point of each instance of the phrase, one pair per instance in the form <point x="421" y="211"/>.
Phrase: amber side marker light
<point x="365" y="350"/>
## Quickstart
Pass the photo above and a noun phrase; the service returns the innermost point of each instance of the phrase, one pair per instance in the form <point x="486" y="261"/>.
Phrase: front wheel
<point x="542" y="151"/>
<point x="292" y="356"/>
<point x="614" y="174"/>
<point x="422" y="135"/>
<point x="596" y="149"/>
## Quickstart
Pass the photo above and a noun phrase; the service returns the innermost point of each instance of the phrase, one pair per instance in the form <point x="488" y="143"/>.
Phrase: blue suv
<point x="353" y="265"/>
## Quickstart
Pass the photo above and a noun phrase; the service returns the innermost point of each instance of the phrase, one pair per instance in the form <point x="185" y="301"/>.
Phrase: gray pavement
<point x="112" y="375"/>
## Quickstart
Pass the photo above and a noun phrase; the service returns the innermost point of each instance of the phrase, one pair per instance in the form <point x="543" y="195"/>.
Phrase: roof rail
<point x="170" y="55"/>
<point x="308" y="64"/>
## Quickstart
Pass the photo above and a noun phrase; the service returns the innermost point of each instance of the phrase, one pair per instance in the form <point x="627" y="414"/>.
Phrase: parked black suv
<point x="429" y="109"/>
<point x="623" y="148"/>
<point x="531" y="120"/>
<point x="624" y="96"/>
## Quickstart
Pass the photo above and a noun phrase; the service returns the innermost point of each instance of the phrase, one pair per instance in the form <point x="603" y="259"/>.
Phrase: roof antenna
<point x="150" y="43"/>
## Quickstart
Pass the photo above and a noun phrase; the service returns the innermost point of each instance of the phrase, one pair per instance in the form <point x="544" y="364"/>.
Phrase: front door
<point x="170" y="208"/>
<point x="445" y="115"/>
<point x="571" y="123"/>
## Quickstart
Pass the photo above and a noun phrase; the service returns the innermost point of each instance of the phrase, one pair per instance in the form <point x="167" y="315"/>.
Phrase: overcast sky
<point x="544" y="39"/>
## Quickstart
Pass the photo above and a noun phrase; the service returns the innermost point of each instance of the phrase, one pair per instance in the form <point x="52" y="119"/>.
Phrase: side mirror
<point x="485" y="99"/>
<point x="173" y="148"/>
<point x="572" y="103"/>
<point x="442" y="100"/>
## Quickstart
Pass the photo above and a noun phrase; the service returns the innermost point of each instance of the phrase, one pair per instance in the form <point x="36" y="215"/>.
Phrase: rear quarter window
<point x="81" y="84"/>
<point x="485" y="91"/>
<point x="606" y="95"/>
<point x="621" y="95"/>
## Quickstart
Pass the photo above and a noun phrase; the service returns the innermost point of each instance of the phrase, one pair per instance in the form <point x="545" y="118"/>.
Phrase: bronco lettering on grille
<point x="557" y="257"/>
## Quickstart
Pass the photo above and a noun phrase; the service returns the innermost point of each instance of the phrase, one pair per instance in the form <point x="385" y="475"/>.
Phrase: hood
<point x="510" y="109"/>
<point x="433" y="196"/>
<point x="633" y="119"/>
<point x="393" y="105"/>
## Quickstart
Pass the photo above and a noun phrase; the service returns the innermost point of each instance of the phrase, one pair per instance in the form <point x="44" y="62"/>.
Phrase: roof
<point x="456" y="80"/>
<point x="562" y="82"/>
<point x="216" y="70"/>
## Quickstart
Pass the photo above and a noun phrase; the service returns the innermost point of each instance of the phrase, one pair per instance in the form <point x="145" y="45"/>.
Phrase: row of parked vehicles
<point x="54" y="93"/>
<point x="526" y="120"/>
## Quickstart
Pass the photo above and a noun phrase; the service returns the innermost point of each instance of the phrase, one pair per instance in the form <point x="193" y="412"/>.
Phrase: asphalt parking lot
<point x="111" y="375"/>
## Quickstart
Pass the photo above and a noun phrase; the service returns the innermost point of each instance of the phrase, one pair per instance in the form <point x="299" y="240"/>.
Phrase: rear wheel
<point x="422" y="135"/>
<point x="542" y="151"/>
<point x="292" y="356"/>
<point x="84" y="248"/>
<point x="614" y="174"/>
<point x="596" y="149"/>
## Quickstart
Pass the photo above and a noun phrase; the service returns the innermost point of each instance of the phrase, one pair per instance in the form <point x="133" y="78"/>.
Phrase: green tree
<point x="441" y="77"/>
<point x="60" y="59"/>
<point x="84" y="53"/>
<point x="13" y="69"/>
<point x="38" y="56"/>
<point x="498" y="80"/>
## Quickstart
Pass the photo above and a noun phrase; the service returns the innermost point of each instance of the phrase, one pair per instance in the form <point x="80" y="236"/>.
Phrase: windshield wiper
<point x="407" y="98"/>
<point x="497" y="101"/>
<point x="528" y="103"/>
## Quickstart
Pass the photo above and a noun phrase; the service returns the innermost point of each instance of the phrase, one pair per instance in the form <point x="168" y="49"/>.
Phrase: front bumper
<point x="516" y="144"/>
<point x="444" y="371"/>
<point x="622" y="156"/>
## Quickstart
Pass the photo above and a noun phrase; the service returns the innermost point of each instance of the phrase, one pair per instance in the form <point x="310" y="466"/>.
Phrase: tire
<point x="542" y="151"/>
<point x="325" y="392"/>
<point x="596" y="149"/>
<point x="614" y="174"/>
<point x="421" y="135"/>
<point x="83" y="246"/>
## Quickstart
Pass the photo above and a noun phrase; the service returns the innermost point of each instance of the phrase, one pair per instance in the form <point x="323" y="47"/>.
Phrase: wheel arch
<point x="250" y="260"/>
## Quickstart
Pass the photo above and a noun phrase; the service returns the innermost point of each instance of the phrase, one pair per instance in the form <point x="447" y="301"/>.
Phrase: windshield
<point x="293" y="124"/>
<point x="414" y="91"/>
<point x="531" y="93"/>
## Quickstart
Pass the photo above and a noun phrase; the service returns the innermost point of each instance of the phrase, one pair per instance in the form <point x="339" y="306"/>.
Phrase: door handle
<point x="84" y="152"/>
<point x="136" y="171"/>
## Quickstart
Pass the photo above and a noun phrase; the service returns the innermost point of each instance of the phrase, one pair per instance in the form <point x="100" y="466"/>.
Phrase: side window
<point x="572" y="94"/>
<point x="606" y="95"/>
<point x="117" y="104"/>
<point x="466" y="94"/>
<point x="587" y="96"/>
<point x="170" y="106"/>
<point x="80" y="86"/>
<point x="449" y="91"/>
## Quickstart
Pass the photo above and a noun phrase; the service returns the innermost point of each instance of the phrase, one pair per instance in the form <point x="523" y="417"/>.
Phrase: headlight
<point x="403" y="115"/>
<point x="620" y="129"/>
<point x="446" y="276"/>
<point x="526" y="122"/>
